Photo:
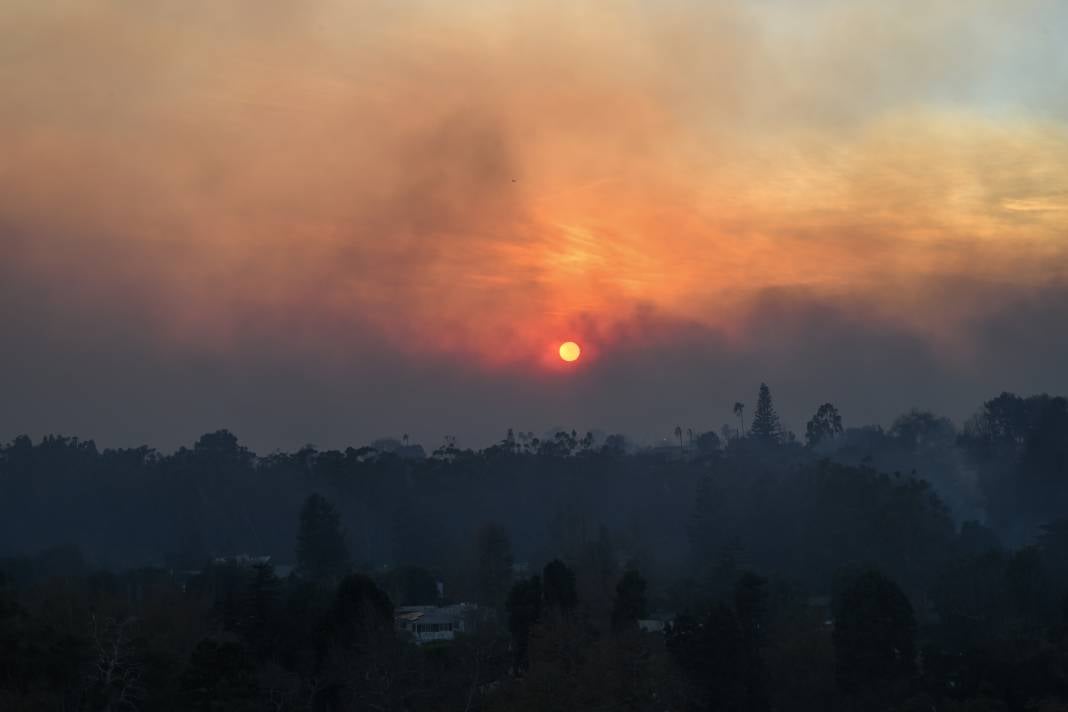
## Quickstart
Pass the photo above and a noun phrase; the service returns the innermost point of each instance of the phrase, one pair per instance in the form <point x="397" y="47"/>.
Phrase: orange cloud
<point x="486" y="181"/>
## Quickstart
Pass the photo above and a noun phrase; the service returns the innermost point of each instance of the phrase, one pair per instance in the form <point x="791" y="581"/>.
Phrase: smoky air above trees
<point x="322" y="224"/>
<point x="659" y="373"/>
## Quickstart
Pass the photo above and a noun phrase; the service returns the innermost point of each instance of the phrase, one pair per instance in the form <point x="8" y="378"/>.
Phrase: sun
<point x="569" y="351"/>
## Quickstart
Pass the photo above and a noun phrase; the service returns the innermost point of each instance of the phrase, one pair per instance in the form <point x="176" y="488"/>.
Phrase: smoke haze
<point x="325" y="223"/>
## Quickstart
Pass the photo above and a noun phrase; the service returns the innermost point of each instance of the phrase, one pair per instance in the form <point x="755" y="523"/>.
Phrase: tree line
<point x="921" y="566"/>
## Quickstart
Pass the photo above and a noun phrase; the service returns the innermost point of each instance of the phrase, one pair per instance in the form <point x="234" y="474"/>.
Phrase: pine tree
<point x="874" y="634"/>
<point x="321" y="548"/>
<point x="257" y="607"/>
<point x="558" y="586"/>
<point x="765" y="425"/>
<point x="524" y="610"/>
<point x="494" y="564"/>
<point x="630" y="604"/>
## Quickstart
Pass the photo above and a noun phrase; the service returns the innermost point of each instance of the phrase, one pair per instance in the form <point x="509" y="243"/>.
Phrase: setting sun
<point x="569" y="351"/>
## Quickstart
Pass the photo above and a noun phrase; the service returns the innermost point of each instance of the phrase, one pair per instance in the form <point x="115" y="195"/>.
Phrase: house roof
<point x="434" y="614"/>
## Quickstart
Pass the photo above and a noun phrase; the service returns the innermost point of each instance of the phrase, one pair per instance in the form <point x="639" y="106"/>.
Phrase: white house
<point x="429" y="623"/>
<point x="651" y="625"/>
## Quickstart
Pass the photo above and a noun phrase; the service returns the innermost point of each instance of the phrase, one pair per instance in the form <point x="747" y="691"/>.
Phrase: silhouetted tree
<point x="410" y="586"/>
<point x="765" y="426"/>
<point x="558" y="586"/>
<point x="707" y="650"/>
<point x="824" y="425"/>
<point x="1053" y="543"/>
<point x="494" y="564"/>
<point x="1020" y="448"/>
<point x="220" y="675"/>
<point x="707" y="443"/>
<point x="321" y="548"/>
<point x="223" y="448"/>
<point x="116" y="672"/>
<point x="524" y="610"/>
<point x="362" y="612"/>
<point x="1030" y="593"/>
<point x="751" y="609"/>
<point x="258" y="607"/>
<point x="920" y="429"/>
<point x="630" y="603"/>
<point x="751" y="606"/>
<point x="874" y="634"/>
<point x="739" y="413"/>
<point x="615" y="444"/>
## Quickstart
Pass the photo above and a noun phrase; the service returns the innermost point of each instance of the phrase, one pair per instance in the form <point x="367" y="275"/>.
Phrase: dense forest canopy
<point x="743" y="546"/>
<point x="123" y="507"/>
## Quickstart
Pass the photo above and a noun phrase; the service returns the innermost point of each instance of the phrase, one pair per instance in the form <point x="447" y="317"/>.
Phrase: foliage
<point x="494" y="564"/>
<point x="321" y="549"/>
<point x="765" y="426"/>
<point x="220" y="676"/>
<point x="630" y="604"/>
<point x="874" y="634"/>
<point x="558" y="587"/>
<point x="524" y="607"/>
<point x="825" y="425"/>
<point x="744" y="539"/>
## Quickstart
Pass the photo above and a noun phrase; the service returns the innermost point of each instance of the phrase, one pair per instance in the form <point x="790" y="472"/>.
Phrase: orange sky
<point x="485" y="183"/>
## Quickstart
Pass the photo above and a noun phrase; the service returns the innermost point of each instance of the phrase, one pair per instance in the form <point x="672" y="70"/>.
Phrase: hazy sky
<point x="331" y="221"/>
